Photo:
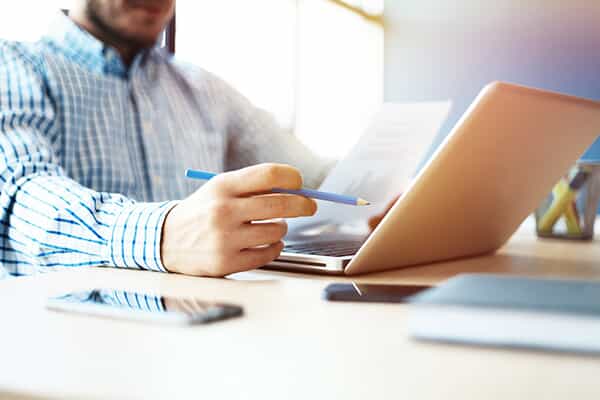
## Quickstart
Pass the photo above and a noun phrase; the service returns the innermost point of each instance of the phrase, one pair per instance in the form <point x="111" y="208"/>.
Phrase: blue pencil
<point x="315" y="194"/>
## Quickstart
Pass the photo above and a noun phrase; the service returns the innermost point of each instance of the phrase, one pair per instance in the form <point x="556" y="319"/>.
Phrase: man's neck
<point x="126" y="50"/>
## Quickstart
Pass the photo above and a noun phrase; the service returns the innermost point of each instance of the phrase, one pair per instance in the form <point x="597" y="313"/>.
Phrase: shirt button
<point x="157" y="180"/>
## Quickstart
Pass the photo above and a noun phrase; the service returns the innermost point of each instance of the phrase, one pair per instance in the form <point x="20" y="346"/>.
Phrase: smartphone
<point x="371" y="293"/>
<point x="144" y="307"/>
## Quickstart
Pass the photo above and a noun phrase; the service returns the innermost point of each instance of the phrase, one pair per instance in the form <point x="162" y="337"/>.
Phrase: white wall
<point x="450" y="49"/>
<point x="28" y="19"/>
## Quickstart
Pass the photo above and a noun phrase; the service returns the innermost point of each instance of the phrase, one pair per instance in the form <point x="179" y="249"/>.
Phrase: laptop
<point x="497" y="164"/>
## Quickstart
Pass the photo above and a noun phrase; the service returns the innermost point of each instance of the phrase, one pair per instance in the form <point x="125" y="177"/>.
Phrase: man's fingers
<point x="188" y="306"/>
<point x="375" y="221"/>
<point x="258" y="257"/>
<point x="258" y="234"/>
<point x="200" y="305"/>
<point x="257" y="179"/>
<point x="272" y="206"/>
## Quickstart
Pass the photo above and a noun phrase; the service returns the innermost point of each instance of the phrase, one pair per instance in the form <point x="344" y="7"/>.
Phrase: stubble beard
<point x="93" y="11"/>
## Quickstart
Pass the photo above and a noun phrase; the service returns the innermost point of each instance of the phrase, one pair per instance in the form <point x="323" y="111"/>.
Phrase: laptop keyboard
<point x="336" y="248"/>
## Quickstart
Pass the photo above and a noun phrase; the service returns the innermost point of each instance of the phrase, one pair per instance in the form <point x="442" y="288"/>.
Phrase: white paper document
<point x="382" y="163"/>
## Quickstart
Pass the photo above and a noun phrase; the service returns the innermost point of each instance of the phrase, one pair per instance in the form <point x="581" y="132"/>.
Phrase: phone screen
<point x="371" y="292"/>
<point x="143" y="306"/>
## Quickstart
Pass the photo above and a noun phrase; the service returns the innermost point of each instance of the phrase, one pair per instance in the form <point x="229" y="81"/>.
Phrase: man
<point x="97" y="126"/>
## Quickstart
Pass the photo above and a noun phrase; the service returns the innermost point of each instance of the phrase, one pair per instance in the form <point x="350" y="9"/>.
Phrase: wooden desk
<point x="290" y="345"/>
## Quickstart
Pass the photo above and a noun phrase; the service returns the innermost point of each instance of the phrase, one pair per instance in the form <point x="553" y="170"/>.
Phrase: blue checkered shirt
<point x="92" y="153"/>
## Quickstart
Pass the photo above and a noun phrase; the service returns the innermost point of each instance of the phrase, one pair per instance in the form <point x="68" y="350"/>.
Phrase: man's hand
<point x="376" y="219"/>
<point x="215" y="232"/>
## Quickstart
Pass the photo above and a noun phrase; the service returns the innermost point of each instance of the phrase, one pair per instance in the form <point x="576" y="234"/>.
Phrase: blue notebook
<point x="510" y="311"/>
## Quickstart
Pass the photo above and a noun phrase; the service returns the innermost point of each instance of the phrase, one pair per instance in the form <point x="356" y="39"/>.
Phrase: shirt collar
<point x="82" y="47"/>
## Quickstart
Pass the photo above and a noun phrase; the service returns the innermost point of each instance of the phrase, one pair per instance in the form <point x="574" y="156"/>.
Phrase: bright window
<point x="250" y="44"/>
<point x="316" y="65"/>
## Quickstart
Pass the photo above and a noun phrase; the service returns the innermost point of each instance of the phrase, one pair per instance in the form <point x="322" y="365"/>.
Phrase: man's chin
<point x="141" y="40"/>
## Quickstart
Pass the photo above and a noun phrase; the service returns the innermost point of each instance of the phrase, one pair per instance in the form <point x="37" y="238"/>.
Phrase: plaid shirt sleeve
<point x="47" y="220"/>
